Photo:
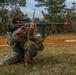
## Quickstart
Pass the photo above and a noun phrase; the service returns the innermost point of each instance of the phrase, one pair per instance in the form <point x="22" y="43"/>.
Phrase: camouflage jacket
<point x="13" y="38"/>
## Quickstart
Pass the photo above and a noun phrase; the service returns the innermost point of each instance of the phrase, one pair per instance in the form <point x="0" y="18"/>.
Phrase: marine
<point x="26" y="42"/>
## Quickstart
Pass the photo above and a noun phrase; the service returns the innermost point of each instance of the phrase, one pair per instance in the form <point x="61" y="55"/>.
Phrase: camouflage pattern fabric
<point x="39" y="39"/>
<point x="30" y="46"/>
<point x="11" y="38"/>
<point x="30" y="52"/>
<point x="14" y="13"/>
<point x="10" y="58"/>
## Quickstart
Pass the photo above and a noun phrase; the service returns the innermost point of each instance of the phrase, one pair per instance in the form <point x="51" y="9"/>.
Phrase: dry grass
<point x="56" y="59"/>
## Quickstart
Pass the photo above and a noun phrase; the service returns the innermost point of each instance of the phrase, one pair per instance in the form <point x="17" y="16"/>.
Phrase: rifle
<point x="13" y="27"/>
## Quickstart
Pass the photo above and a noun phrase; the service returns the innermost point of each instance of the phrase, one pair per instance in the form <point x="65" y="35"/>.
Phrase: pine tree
<point x="54" y="9"/>
<point x="55" y="12"/>
<point x="4" y="4"/>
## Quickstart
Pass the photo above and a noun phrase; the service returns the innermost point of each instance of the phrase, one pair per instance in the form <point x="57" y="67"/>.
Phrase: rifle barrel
<point x="12" y="27"/>
<point x="48" y="24"/>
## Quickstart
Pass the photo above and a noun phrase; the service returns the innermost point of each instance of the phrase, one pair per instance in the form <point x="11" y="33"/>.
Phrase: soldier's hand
<point x="32" y="25"/>
<point x="19" y="30"/>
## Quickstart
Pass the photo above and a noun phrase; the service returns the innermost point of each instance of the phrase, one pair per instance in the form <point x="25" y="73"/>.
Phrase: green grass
<point x="55" y="59"/>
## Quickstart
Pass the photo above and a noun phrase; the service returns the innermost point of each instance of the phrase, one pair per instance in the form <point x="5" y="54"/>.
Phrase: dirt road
<point x="49" y="39"/>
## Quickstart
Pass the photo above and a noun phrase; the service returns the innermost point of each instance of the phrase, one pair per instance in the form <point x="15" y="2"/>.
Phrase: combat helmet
<point x="14" y="13"/>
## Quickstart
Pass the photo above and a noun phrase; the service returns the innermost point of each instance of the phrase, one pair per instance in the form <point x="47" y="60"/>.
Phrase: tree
<point x="20" y="3"/>
<point x="71" y="17"/>
<point x="4" y="19"/>
<point x="53" y="7"/>
<point x="55" y="12"/>
<point x="4" y="4"/>
<point x="37" y="19"/>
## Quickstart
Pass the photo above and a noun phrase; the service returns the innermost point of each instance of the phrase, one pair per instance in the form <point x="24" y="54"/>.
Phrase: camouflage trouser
<point x="10" y="58"/>
<point x="30" y="51"/>
<point x="13" y="57"/>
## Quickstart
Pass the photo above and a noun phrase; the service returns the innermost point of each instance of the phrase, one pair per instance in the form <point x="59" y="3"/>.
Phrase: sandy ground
<point x="49" y="39"/>
<point x="59" y="38"/>
<point x="2" y="40"/>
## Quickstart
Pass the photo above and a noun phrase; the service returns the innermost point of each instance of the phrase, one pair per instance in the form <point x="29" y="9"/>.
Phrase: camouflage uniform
<point x="26" y="46"/>
<point x="14" y="13"/>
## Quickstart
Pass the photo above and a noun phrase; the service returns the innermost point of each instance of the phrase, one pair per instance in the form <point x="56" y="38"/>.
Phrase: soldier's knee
<point x="10" y="58"/>
<point x="30" y="44"/>
<point x="41" y="48"/>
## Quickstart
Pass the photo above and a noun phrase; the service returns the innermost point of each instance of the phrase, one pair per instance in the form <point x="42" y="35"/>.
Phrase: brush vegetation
<point x="55" y="59"/>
